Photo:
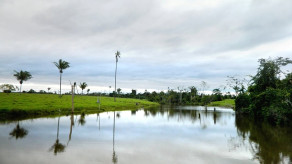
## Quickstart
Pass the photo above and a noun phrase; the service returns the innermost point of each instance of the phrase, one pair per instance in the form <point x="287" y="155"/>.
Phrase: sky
<point x="165" y="43"/>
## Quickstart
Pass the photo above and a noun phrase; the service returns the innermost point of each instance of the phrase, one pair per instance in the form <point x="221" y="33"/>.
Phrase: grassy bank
<point x="224" y="103"/>
<point x="15" y="104"/>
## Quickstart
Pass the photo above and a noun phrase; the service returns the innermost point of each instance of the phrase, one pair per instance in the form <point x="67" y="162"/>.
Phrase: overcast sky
<point x="165" y="43"/>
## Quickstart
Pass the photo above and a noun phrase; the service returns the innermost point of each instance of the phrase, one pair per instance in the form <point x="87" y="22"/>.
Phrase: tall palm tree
<point x="22" y="76"/>
<point x="83" y="86"/>
<point x="61" y="65"/>
<point x="117" y="59"/>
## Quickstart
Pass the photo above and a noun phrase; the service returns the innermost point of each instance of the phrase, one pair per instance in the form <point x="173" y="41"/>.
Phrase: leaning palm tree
<point x="83" y="86"/>
<point x="117" y="58"/>
<point x="22" y="76"/>
<point x="61" y="65"/>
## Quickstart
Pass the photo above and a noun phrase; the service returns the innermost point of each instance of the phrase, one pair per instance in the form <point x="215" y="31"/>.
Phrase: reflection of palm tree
<point x="18" y="132"/>
<point x="58" y="147"/>
<point x="115" y="157"/>
<point x="81" y="120"/>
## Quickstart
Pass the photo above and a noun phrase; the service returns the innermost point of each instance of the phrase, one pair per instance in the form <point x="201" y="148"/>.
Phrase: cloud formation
<point x="166" y="43"/>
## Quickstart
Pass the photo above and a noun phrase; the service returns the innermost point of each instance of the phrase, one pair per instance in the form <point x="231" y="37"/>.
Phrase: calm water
<point x="179" y="135"/>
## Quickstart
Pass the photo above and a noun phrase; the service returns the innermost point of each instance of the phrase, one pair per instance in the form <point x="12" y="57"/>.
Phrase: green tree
<point x="194" y="92"/>
<point x="8" y="88"/>
<point x="61" y="65"/>
<point x="118" y="55"/>
<point x="83" y="86"/>
<point x="119" y="91"/>
<point x="22" y="76"/>
<point x="268" y="96"/>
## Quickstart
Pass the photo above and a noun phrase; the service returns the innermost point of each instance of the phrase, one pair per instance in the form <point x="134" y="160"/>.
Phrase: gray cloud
<point x="163" y="43"/>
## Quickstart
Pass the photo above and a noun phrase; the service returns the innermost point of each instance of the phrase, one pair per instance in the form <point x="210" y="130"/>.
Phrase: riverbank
<point x="229" y="103"/>
<point x="37" y="105"/>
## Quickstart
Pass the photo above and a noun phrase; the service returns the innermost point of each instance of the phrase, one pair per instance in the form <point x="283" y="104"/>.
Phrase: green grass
<point x="51" y="104"/>
<point x="230" y="103"/>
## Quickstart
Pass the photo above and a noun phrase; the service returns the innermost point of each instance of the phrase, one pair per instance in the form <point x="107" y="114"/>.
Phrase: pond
<point x="171" y="135"/>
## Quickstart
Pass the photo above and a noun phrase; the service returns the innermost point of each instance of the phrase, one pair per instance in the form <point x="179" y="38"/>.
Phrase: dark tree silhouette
<point x="22" y="76"/>
<point x="83" y="86"/>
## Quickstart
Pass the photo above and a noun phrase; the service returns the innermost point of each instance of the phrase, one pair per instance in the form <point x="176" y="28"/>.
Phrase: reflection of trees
<point x="181" y="115"/>
<point x="58" y="147"/>
<point x="115" y="157"/>
<point x="267" y="143"/>
<point x="18" y="132"/>
<point x="81" y="120"/>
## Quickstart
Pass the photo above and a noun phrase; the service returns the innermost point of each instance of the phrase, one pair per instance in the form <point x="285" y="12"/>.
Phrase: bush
<point x="7" y="91"/>
<point x="242" y="103"/>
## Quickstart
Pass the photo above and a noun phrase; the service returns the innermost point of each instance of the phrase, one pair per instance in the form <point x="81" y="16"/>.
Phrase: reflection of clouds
<point x="163" y="140"/>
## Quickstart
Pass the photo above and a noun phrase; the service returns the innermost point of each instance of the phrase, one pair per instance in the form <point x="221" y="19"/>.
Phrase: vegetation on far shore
<point x="25" y="104"/>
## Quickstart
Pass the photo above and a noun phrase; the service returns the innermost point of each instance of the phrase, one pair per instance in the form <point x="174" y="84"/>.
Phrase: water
<point x="179" y="135"/>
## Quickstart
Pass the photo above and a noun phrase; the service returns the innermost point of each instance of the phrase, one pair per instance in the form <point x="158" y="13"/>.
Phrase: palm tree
<point x="61" y="65"/>
<point x="83" y="86"/>
<point x="117" y="58"/>
<point x="22" y="76"/>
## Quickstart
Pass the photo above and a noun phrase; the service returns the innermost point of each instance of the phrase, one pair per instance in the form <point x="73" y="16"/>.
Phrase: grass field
<point x="51" y="104"/>
<point x="225" y="103"/>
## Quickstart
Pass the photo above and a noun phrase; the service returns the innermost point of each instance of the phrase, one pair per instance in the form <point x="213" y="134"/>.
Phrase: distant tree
<point x="7" y="88"/>
<point x="117" y="58"/>
<point x="194" y="92"/>
<point x="119" y="91"/>
<point x="61" y="65"/>
<point x="88" y="91"/>
<point x="204" y="86"/>
<point x="49" y="89"/>
<point x="134" y="92"/>
<point x="83" y="86"/>
<point x="237" y="84"/>
<point x="22" y="76"/>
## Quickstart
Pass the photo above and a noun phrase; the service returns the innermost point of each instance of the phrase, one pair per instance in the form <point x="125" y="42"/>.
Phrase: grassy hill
<point x="15" y="104"/>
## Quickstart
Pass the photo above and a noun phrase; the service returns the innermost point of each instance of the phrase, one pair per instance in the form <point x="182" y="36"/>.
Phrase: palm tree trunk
<point x="60" y="83"/>
<point x="20" y="88"/>
<point x="115" y="81"/>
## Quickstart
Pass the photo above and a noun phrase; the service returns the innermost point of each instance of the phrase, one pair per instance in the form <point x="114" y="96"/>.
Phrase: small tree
<point x="83" y="86"/>
<point x="119" y="91"/>
<point x="7" y="88"/>
<point x="22" y="76"/>
<point x="88" y="91"/>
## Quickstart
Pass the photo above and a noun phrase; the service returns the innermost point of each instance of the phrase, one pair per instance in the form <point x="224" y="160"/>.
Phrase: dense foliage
<point x="181" y="97"/>
<point x="268" y="96"/>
